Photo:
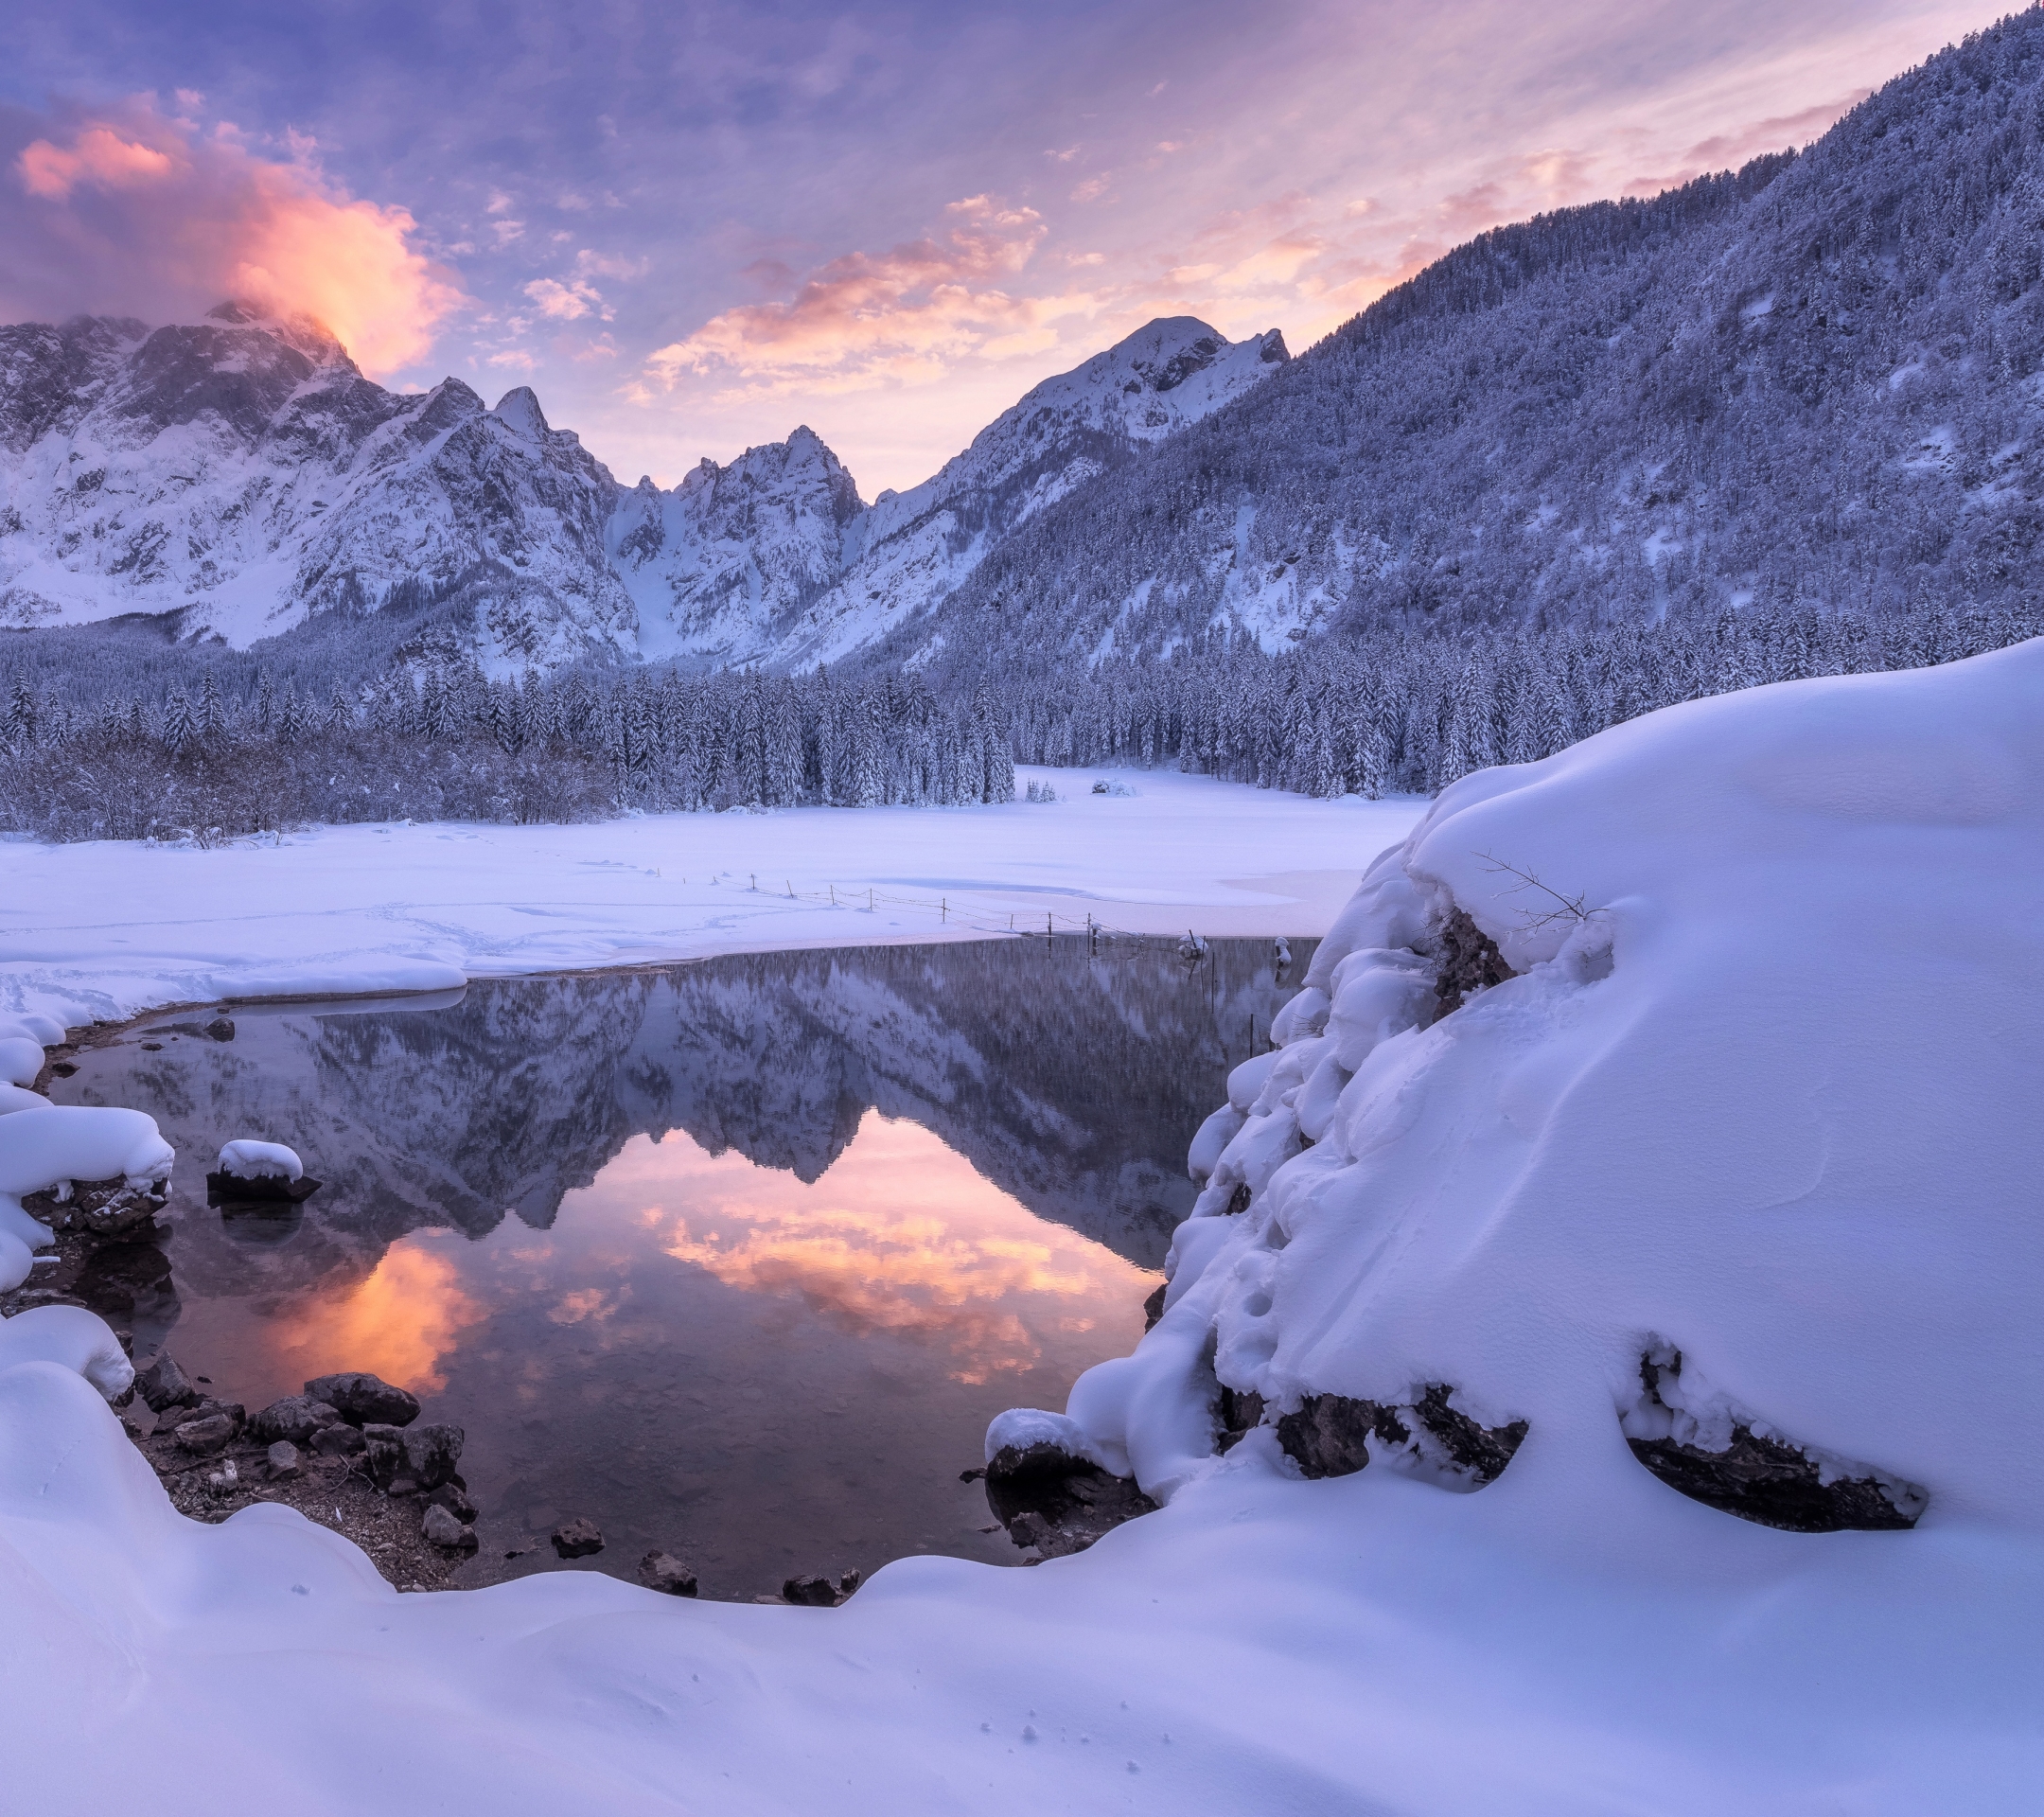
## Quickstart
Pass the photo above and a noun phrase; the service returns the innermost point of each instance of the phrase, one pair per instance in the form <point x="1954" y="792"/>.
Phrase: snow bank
<point x="47" y="1148"/>
<point x="1745" y="1135"/>
<point x="252" y="1160"/>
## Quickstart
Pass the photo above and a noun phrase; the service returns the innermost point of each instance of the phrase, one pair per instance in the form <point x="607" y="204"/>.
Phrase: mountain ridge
<point x="243" y="475"/>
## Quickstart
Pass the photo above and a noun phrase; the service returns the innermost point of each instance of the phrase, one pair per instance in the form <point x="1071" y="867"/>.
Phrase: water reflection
<point x="736" y="1258"/>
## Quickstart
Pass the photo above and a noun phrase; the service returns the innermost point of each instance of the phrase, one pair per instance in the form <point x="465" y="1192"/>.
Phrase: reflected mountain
<point x="1070" y="1079"/>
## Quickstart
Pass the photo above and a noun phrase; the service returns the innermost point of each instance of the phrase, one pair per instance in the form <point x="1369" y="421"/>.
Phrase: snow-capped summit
<point x="915" y="546"/>
<point x="723" y="567"/>
<point x="241" y="473"/>
<point x="519" y="412"/>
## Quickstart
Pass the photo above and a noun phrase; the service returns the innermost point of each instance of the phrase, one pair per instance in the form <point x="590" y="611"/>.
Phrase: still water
<point x="738" y="1257"/>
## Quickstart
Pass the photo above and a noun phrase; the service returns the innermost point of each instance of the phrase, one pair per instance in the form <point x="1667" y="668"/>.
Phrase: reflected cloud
<point x="399" y="1323"/>
<point x="901" y="1237"/>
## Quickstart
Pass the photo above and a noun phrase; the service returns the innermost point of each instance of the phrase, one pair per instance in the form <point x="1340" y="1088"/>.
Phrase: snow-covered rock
<point x="247" y="1159"/>
<point x="1751" y="1119"/>
<point x="46" y="1148"/>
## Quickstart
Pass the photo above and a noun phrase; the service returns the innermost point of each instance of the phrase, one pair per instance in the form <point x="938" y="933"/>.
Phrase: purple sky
<point x="692" y="226"/>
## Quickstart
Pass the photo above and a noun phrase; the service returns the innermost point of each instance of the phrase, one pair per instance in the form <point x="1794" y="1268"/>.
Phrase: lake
<point x="736" y="1258"/>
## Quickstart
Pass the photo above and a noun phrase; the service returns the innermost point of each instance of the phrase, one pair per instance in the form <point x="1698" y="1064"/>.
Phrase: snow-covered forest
<point x="97" y="741"/>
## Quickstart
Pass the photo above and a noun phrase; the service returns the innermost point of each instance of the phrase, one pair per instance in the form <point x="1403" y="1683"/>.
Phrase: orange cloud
<point x="152" y="216"/>
<point x="399" y="1323"/>
<point x="867" y="317"/>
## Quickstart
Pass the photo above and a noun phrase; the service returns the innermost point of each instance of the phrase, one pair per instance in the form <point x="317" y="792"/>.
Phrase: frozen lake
<point x="736" y="1258"/>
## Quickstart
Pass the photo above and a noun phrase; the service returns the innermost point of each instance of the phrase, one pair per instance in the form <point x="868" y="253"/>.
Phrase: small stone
<point x="850" y="1581"/>
<point x="383" y="1459"/>
<point x="444" y="1531"/>
<point x="297" y="1417"/>
<point x="430" y="1453"/>
<point x="810" y="1592"/>
<point x="665" y="1572"/>
<point x="970" y="1475"/>
<point x="339" y="1441"/>
<point x="221" y="1028"/>
<point x="364" y="1400"/>
<point x="284" y="1461"/>
<point x="454" y="1498"/>
<point x="578" y="1538"/>
<point x="163" y="1384"/>
<point x="206" y="1437"/>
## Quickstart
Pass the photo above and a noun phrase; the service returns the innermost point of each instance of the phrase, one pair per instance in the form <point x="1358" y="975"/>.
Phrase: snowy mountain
<point x="774" y="560"/>
<point x="243" y="475"/>
<point x="1817" y="383"/>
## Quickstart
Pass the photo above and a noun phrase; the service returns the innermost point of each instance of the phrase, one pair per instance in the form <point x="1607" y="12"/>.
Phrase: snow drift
<point x="1753" y="1085"/>
<point x="1677" y="1088"/>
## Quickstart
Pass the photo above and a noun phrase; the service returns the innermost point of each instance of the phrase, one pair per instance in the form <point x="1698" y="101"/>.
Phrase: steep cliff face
<point x="243" y="475"/>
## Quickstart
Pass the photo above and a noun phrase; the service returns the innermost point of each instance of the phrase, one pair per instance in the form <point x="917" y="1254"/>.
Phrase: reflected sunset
<point x="399" y="1323"/>
<point x="901" y="1236"/>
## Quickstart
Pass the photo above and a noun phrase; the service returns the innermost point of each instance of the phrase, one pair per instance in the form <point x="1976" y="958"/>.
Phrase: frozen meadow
<point x="1739" y="1137"/>
<point x="111" y="928"/>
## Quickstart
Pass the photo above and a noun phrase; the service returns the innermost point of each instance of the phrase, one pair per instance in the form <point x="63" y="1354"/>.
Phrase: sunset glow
<point x="712" y="223"/>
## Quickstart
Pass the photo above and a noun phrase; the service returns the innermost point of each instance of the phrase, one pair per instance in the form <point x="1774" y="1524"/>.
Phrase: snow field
<point x="107" y="929"/>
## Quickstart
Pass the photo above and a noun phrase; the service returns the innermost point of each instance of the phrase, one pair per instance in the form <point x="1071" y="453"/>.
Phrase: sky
<point x="691" y="227"/>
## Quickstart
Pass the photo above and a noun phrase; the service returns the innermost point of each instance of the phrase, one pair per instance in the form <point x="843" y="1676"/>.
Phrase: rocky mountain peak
<point x="519" y="411"/>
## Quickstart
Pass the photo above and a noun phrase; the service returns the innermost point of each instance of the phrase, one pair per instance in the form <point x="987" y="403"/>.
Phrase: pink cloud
<point x="147" y="216"/>
<point x="865" y="317"/>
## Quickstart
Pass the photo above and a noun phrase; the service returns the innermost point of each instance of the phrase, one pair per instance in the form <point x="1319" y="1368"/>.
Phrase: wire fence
<point x="1025" y="922"/>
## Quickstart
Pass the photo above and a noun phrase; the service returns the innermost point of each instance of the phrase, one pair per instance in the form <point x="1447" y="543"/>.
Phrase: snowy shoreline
<point x="382" y="910"/>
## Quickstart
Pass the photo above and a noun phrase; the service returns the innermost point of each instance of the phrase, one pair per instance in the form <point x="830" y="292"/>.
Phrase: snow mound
<point x="45" y="1149"/>
<point x="1708" y="1048"/>
<point x="252" y="1160"/>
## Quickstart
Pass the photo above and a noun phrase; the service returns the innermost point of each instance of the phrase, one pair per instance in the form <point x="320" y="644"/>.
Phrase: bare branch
<point x="1566" y="907"/>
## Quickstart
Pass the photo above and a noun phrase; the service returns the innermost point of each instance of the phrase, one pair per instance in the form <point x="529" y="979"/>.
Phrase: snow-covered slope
<point x="1763" y="1097"/>
<point x="243" y="475"/>
<point x="774" y="560"/>
<point x="723" y="569"/>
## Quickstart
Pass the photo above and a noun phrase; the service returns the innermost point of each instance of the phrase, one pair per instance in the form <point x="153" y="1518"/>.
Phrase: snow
<point x="247" y="1159"/>
<point x="50" y="1146"/>
<point x="1768" y="1099"/>
<point x="103" y="930"/>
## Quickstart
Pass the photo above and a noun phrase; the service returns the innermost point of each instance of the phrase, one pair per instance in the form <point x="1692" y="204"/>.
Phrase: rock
<point x="665" y="1572"/>
<point x="850" y="1581"/>
<point x="578" y="1538"/>
<point x="297" y="1417"/>
<point x="1242" y="1412"/>
<point x="382" y="1455"/>
<point x="101" y="1208"/>
<point x="285" y="1461"/>
<point x="1058" y="1503"/>
<point x="430" y="1453"/>
<point x="163" y="1384"/>
<point x="1763" y="1480"/>
<point x="810" y="1592"/>
<point x="339" y="1441"/>
<point x="1469" y="961"/>
<point x="442" y="1530"/>
<point x="362" y="1400"/>
<point x="221" y="1028"/>
<point x="1154" y="1307"/>
<point x="1329" y="1434"/>
<point x="454" y="1498"/>
<point x="207" y="1436"/>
